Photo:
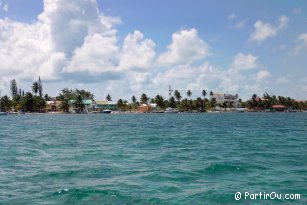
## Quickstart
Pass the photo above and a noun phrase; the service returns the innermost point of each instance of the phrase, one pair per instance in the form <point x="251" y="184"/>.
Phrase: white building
<point x="226" y="98"/>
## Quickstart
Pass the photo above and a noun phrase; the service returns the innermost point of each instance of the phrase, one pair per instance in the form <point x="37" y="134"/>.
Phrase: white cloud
<point x="232" y="16"/>
<point x="186" y="47"/>
<point x="137" y="52"/>
<point x="262" y="75"/>
<point x="68" y="36"/>
<point x="264" y="31"/>
<point x="98" y="54"/>
<point x="244" y="62"/>
<point x="301" y="43"/>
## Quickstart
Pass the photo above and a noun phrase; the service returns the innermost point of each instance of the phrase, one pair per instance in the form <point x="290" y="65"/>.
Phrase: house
<point x="278" y="108"/>
<point x="101" y="105"/>
<point x="88" y="106"/>
<point x="231" y="100"/>
<point x="53" y="106"/>
<point x="145" y="108"/>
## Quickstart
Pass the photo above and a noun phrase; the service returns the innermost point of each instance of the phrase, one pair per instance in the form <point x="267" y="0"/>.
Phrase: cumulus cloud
<point x="264" y="31"/>
<point x="262" y="75"/>
<point x="186" y="47"/>
<point x="301" y="43"/>
<point x="68" y="36"/>
<point x="137" y="52"/>
<point x="244" y="62"/>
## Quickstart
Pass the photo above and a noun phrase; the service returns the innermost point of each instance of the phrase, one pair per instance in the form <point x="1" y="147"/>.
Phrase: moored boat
<point x="106" y="111"/>
<point x="171" y="110"/>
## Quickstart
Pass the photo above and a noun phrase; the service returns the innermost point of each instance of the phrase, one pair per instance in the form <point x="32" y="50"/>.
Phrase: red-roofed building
<point x="279" y="108"/>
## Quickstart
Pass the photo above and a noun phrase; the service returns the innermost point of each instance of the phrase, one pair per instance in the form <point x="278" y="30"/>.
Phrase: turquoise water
<point x="152" y="158"/>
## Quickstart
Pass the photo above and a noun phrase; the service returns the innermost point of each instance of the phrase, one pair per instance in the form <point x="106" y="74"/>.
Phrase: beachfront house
<point x="101" y="105"/>
<point x="53" y="106"/>
<point x="88" y="106"/>
<point x="144" y="108"/>
<point x="278" y="108"/>
<point x="231" y="100"/>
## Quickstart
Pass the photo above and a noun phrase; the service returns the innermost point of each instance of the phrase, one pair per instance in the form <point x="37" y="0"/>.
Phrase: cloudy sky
<point x="131" y="47"/>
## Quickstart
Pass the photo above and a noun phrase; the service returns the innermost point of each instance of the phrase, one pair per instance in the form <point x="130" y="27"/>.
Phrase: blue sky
<point x="131" y="47"/>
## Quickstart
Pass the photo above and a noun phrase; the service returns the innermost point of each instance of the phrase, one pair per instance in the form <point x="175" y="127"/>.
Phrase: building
<point x="144" y="108"/>
<point x="53" y="106"/>
<point x="101" y="105"/>
<point x="278" y="108"/>
<point x="231" y="100"/>
<point x="88" y="106"/>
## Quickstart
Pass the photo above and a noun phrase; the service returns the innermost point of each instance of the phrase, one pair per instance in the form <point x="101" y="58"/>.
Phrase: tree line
<point x="35" y="100"/>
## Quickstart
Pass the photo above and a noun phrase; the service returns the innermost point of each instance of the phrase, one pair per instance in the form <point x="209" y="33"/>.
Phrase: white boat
<point x="171" y="110"/>
<point x="106" y="111"/>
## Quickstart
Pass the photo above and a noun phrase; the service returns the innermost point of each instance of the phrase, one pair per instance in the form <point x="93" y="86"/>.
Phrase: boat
<point x="171" y="110"/>
<point x="106" y="111"/>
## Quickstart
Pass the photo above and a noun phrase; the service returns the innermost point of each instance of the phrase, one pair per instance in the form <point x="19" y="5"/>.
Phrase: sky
<point x="126" y="48"/>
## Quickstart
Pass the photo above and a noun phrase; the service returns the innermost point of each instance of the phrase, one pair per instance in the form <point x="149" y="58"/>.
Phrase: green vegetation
<point x="35" y="101"/>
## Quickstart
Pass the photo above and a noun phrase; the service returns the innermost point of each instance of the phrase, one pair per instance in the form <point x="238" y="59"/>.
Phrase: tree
<point x="35" y="87"/>
<point x="14" y="89"/>
<point x="28" y="102"/>
<point x="177" y="95"/>
<point x="133" y="99"/>
<point x="144" y="99"/>
<point x="40" y="87"/>
<point x="79" y="102"/>
<point x="172" y="102"/>
<point x="204" y="93"/>
<point x="211" y="93"/>
<point x="47" y="98"/>
<point x="108" y="97"/>
<point x="189" y="93"/>
<point x="120" y="104"/>
<point x="199" y="104"/>
<point x="159" y="100"/>
<point x="213" y="103"/>
<point x="5" y="103"/>
<point x="64" y="106"/>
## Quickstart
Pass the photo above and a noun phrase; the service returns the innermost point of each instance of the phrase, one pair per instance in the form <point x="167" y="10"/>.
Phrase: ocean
<point x="129" y="159"/>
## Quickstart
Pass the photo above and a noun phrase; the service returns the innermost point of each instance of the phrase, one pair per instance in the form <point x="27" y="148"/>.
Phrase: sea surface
<point x="129" y="159"/>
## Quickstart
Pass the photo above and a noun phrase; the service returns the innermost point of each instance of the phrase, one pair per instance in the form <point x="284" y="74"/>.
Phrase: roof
<point x="86" y="102"/>
<point x="278" y="106"/>
<point x="104" y="102"/>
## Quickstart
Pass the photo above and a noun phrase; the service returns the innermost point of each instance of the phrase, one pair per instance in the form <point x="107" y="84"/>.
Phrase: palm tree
<point x="79" y="102"/>
<point x="133" y="99"/>
<point x="159" y="100"/>
<point x="40" y="87"/>
<point x="144" y="98"/>
<point x="35" y="87"/>
<point x="120" y="104"/>
<point x="189" y="93"/>
<point x="204" y="93"/>
<point x="65" y="105"/>
<point x="108" y="97"/>
<point x="177" y="95"/>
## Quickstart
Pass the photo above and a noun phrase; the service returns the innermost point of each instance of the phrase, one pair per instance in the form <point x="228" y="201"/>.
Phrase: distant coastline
<point x="82" y="101"/>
